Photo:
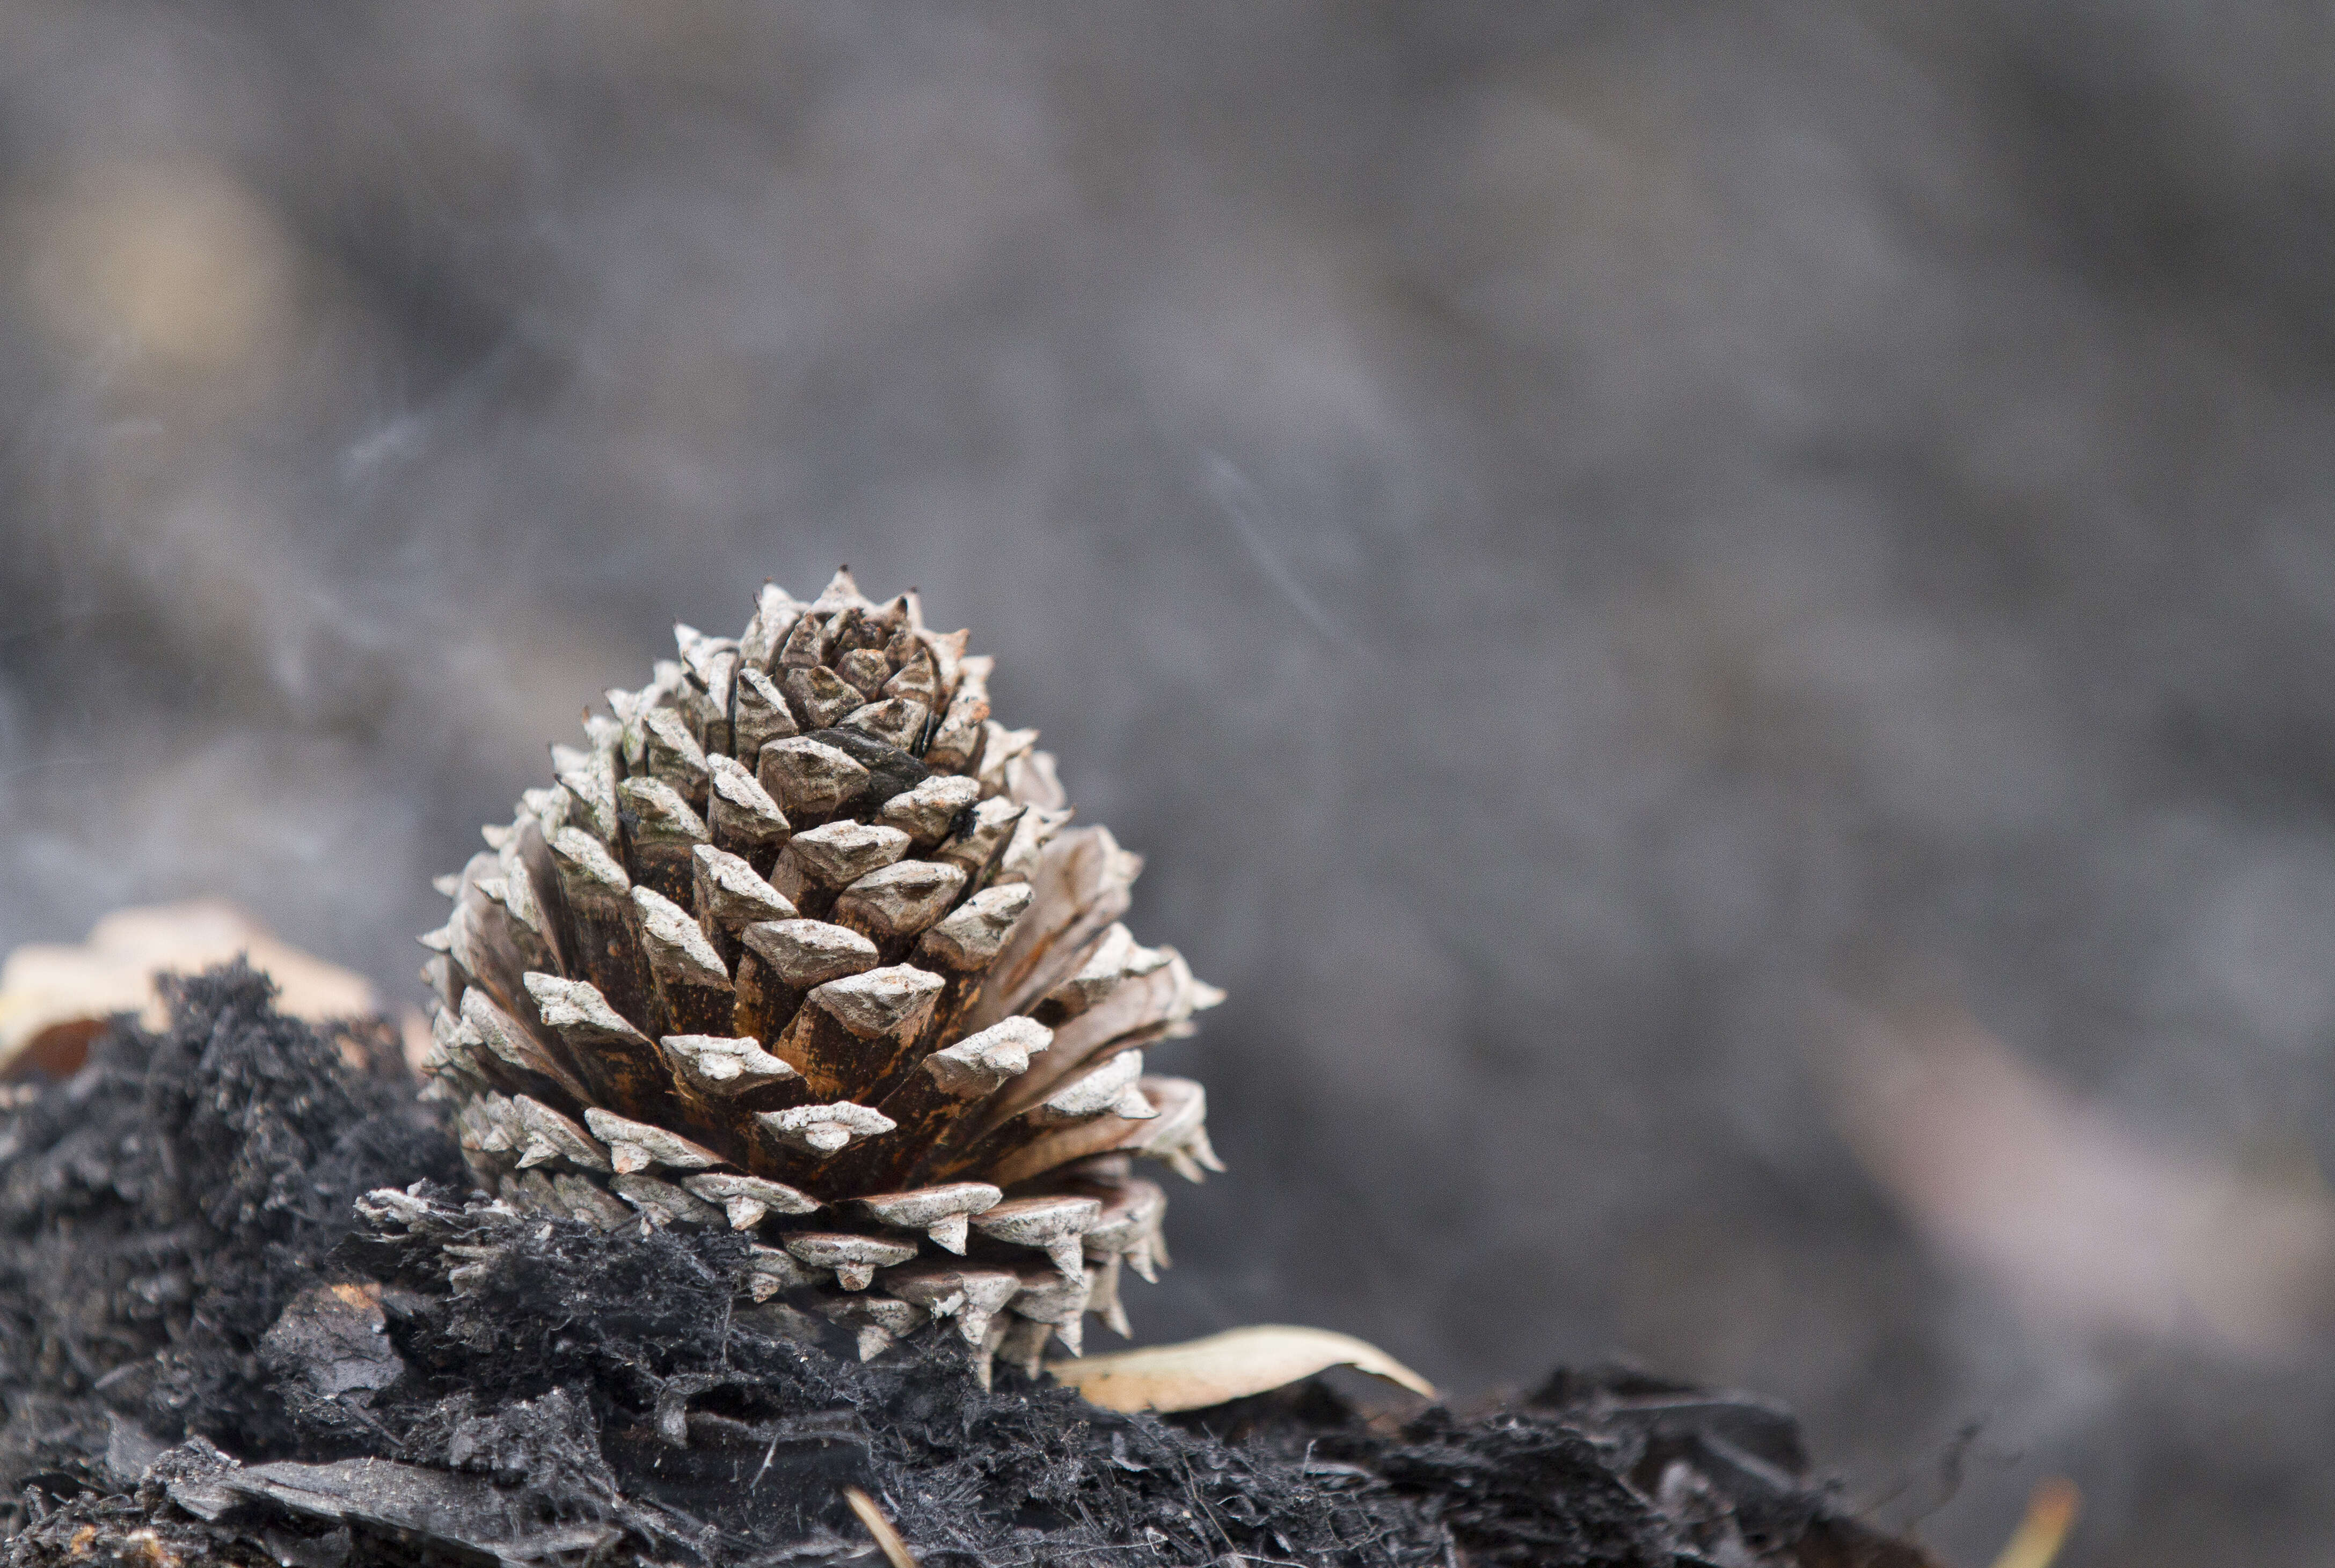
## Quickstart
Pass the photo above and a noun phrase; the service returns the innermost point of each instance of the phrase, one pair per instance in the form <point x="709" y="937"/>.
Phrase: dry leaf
<point x="888" y="1539"/>
<point x="2081" y="1219"/>
<point x="53" y="999"/>
<point x="1232" y="1365"/>
<point x="2050" y="1514"/>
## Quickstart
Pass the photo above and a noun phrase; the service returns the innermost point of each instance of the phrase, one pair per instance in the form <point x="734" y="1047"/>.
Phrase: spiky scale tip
<point x="800" y="943"/>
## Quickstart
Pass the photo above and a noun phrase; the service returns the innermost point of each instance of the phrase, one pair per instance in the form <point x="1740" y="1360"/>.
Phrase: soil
<point x="251" y="1312"/>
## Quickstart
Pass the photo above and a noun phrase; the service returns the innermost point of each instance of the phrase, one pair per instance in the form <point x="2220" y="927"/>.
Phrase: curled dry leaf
<point x="1232" y="1365"/>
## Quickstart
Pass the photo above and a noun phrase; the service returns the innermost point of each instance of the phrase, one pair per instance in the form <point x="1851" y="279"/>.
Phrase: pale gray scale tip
<point x="917" y="680"/>
<point x="841" y="592"/>
<point x="550" y="1136"/>
<point x="515" y="893"/>
<point x="840" y="853"/>
<point x="578" y="1004"/>
<point x="971" y="935"/>
<point x="634" y="1145"/>
<point x="671" y="742"/>
<point x="1032" y="835"/>
<point x="661" y="810"/>
<point x="590" y="856"/>
<point x="818" y="697"/>
<point x="725" y="1186"/>
<point x="1051" y="1297"/>
<point x="887" y="1314"/>
<point x="808" y="953"/>
<point x="810" y="776"/>
<point x="980" y="1064"/>
<point x="1031" y="779"/>
<point x="734" y="892"/>
<point x="1003" y="746"/>
<point x="926" y="811"/>
<point x="854" y="1258"/>
<point x="903" y="897"/>
<point x="714" y="676"/>
<point x="585" y="1200"/>
<point x="1194" y="994"/>
<point x="880" y="1322"/>
<point x="1133" y="1210"/>
<point x="734" y="783"/>
<point x="921" y="1206"/>
<point x="446" y="1026"/>
<point x="499" y="1031"/>
<point x="947" y="649"/>
<point x="824" y="1129"/>
<point x="1181" y="1133"/>
<point x="1100" y="1090"/>
<point x="704" y="656"/>
<point x="1103" y="1298"/>
<point x="865" y="671"/>
<point x="590" y="799"/>
<point x="994" y="821"/>
<point x="663" y="1204"/>
<point x="805" y="644"/>
<point x="1039" y="1222"/>
<point x="485" y="1123"/>
<point x="876" y="1002"/>
<point x="895" y="721"/>
<point x="677" y="947"/>
<point x="775" y="612"/>
<point x="722" y="1064"/>
<point x="970" y="1295"/>
<point x="1186" y="994"/>
<point x="740" y="811"/>
<point x="760" y="713"/>
<point x="769" y="1270"/>
<point x="1113" y="960"/>
<point x="942" y="1213"/>
<point x="963" y="728"/>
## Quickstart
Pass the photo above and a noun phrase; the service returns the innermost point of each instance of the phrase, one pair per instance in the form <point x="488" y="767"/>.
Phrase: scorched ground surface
<point x="216" y="1346"/>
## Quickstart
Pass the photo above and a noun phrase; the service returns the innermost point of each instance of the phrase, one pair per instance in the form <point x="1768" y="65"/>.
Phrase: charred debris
<point x="252" y="1313"/>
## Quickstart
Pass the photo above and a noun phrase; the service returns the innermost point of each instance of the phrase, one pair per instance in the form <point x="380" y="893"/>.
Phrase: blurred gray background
<point x="1716" y="618"/>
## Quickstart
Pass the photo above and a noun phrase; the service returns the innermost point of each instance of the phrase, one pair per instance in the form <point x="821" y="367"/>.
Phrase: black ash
<point x="250" y="1312"/>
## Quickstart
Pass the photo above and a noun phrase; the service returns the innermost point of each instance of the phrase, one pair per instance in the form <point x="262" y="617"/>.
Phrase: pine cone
<point x="800" y="945"/>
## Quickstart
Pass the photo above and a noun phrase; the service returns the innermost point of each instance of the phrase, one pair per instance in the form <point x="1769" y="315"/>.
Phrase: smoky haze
<point x="1715" y="618"/>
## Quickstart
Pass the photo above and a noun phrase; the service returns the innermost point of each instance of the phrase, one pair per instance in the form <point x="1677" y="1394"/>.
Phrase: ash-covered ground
<point x="1715" y="617"/>
<point x="249" y="1314"/>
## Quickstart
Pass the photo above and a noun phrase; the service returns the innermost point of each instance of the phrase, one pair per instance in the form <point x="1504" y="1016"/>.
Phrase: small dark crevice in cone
<point x="210" y="1352"/>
